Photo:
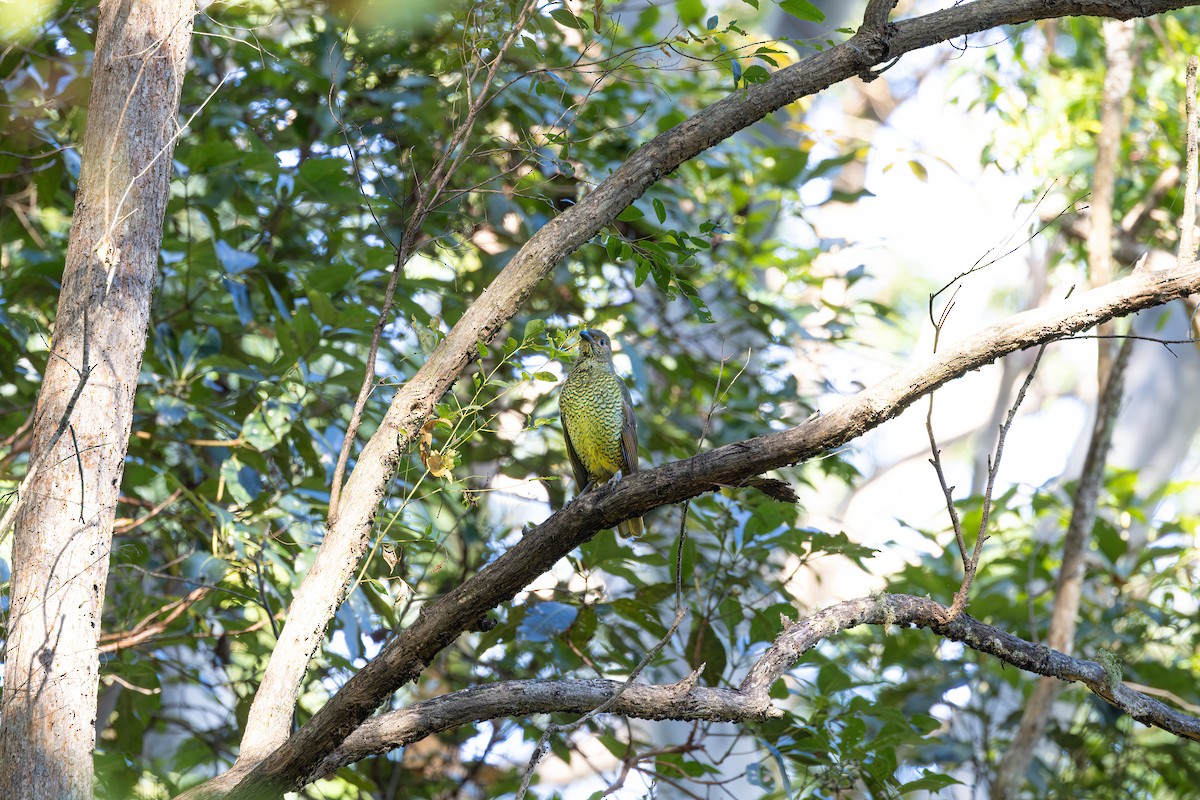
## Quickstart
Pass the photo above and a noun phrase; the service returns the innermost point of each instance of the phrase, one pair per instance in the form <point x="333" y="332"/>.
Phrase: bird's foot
<point x="615" y="478"/>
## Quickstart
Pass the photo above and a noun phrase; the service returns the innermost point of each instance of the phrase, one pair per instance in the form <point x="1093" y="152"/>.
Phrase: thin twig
<point x="960" y="597"/>
<point x="79" y="469"/>
<point x="147" y="629"/>
<point x="683" y="686"/>
<point x="125" y="525"/>
<point x="426" y="193"/>
<point x="936" y="459"/>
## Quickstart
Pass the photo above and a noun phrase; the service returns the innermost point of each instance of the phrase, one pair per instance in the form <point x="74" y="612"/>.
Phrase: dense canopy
<point x="344" y="171"/>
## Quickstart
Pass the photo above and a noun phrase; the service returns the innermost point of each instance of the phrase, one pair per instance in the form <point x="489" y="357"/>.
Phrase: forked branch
<point x="751" y="700"/>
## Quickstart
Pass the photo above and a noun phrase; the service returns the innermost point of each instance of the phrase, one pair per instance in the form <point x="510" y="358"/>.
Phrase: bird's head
<point x="595" y="344"/>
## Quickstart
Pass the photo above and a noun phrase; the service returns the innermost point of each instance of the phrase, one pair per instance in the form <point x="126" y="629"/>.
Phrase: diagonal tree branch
<point x="751" y="701"/>
<point x="406" y="655"/>
<point x="901" y="609"/>
<point x="347" y="537"/>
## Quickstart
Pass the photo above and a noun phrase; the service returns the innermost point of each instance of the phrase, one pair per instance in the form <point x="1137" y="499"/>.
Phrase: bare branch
<point x="1010" y="774"/>
<point x="971" y="565"/>
<point x="427" y="194"/>
<point x="1118" y="78"/>
<point x="751" y="700"/>
<point x="150" y="626"/>
<point x="876" y="16"/>
<point x="519" y="699"/>
<point x="899" y="609"/>
<point x="680" y="688"/>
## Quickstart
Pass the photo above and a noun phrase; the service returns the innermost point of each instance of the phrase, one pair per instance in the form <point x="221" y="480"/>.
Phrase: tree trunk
<point x="63" y="527"/>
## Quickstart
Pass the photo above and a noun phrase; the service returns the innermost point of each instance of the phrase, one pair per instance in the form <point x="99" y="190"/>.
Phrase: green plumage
<point x="597" y="420"/>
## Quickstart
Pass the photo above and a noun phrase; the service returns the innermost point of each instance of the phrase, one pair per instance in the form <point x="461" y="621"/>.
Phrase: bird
<point x="597" y="421"/>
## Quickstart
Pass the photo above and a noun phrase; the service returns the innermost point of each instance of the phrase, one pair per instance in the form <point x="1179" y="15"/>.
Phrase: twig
<point x="426" y="192"/>
<point x="971" y="563"/>
<point x="1061" y="634"/>
<point x="125" y="525"/>
<point x="960" y="597"/>
<point x="980" y="264"/>
<point x="1118" y="78"/>
<point x="146" y="628"/>
<point x="683" y="687"/>
<point x="751" y="700"/>
<point x="936" y="459"/>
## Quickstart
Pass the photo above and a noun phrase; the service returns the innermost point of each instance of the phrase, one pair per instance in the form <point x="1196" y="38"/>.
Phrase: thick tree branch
<point x="63" y="518"/>
<point x="403" y="658"/>
<point x="519" y="699"/>
<point x="900" y="609"/>
<point x="750" y="701"/>
<point x="347" y="538"/>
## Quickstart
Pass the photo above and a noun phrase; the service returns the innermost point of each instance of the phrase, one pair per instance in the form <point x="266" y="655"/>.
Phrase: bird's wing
<point x="629" y="440"/>
<point x="581" y="476"/>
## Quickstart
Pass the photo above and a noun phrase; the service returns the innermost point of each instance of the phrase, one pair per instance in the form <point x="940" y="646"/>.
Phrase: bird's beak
<point x="587" y="337"/>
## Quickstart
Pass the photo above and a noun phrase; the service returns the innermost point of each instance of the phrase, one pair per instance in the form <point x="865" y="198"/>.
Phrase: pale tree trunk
<point x="1012" y="771"/>
<point x="63" y="526"/>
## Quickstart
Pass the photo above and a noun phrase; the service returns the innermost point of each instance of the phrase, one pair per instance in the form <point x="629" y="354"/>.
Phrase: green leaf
<point x="756" y="74"/>
<point x="243" y="483"/>
<point x="533" y="329"/>
<point x="802" y="9"/>
<point x="630" y="214"/>
<point x="564" y="17"/>
<point x="705" y="647"/>
<point x="929" y="781"/>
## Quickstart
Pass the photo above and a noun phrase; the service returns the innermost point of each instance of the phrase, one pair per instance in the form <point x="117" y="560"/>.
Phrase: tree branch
<point x="1110" y="380"/>
<point x="406" y="655"/>
<point x="1010" y="774"/>
<point x="347" y="538"/>
<point x="900" y="609"/>
<point x="750" y="701"/>
<point x="517" y="699"/>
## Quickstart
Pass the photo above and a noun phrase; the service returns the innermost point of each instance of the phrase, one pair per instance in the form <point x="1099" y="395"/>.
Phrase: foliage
<point x="293" y="188"/>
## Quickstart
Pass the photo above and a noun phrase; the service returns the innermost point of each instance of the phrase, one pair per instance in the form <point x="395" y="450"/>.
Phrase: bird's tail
<point x="631" y="528"/>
